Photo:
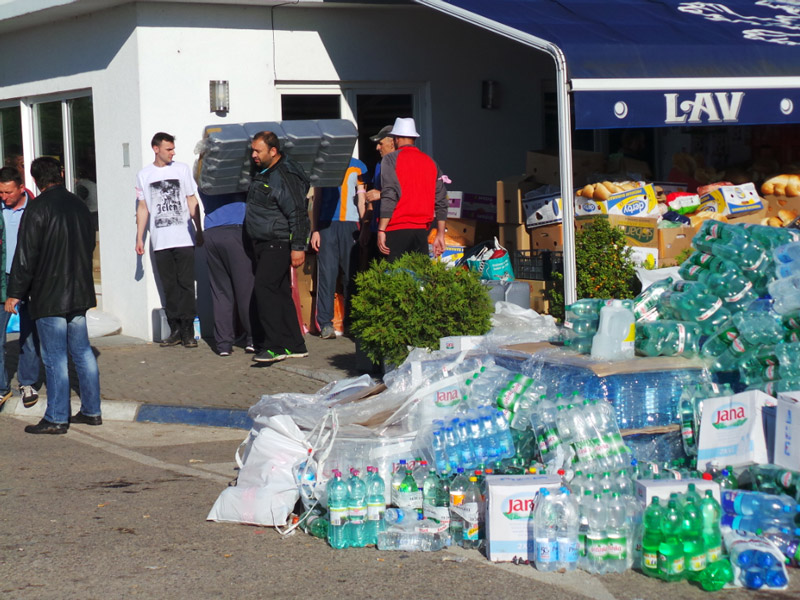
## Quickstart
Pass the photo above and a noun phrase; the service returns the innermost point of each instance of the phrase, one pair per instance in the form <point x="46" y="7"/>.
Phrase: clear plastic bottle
<point x="436" y="501"/>
<point x="468" y="458"/>
<point x="458" y="490"/>
<point x="786" y="293"/>
<point x="408" y="495"/>
<point x="545" y="532"/>
<point x="616" y="333"/>
<point x="596" y="541"/>
<point x="766" y="506"/>
<point x="567" y="530"/>
<point x="338" y="511"/>
<point x="409" y="533"/>
<point x="547" y="432"/>
<point x="398" y="476"/>
<point x="420" y="472"/>
<point x="618" y="535"/>
<point x="452" y="448"/>
<point x="471" y="514"/>
<point x="502" y="432"/>
<point x="376" y="503"/>
<point x="439" y="452"/>
<point x="357" y="510"/>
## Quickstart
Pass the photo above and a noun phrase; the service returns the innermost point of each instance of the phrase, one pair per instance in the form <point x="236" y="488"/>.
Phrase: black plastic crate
<point x="536" y="264"/>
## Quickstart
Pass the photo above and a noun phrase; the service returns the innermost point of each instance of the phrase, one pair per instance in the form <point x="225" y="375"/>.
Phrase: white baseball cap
<point x="404" y="128"/>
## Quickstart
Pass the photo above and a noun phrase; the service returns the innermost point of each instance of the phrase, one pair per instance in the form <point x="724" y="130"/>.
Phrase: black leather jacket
<point x="53" y="261"/>
<point x="277" y="209"/>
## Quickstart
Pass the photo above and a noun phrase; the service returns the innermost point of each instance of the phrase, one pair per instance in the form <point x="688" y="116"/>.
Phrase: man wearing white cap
<point x="412" y="196"/>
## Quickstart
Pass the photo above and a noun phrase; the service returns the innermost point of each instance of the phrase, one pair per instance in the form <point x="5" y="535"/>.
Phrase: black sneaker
<point x="45" y="426"/>
<point x="268" y="356"/>
<point x="79" y="417"/>
<point x="173" y="340"/>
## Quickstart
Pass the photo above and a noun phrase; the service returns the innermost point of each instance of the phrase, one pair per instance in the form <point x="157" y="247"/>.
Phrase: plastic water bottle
<point x="376" y="504"/>
<point x="787" y="253"/>
<point x="409" y="533"/>
<point x="357" y="510"/>
<point x="567" y="531"/>
<point x="756" y="523"/>
<point x="668" y="338"/>
<point x="439" y="453"/>
<point x="710" y="512"/>
<point x="470" y="512"/>
<point x="766" y="506"/>
<point x="420" y="472"/>
<point x="787" y="543"/>
<point x="436" y="501"/>
<point x="398" y="476"/>
<point x="616" y="333"/>
<point x="338" y="511"/>
<point x="505" y="441"/>
<point x="545" y="532"/>
<point x="315" y="524"/>
<point x="452" y="447"/>
<point x="645" y="305"/>
<point x="547" y="432"/>
<point x="617" y="535"/>
<point x="671" y="562"/>
<point x="458" y="490"/>
<point x="786" y="293"/>
<point x="651" y="538"/>
<point x="490" y="438"/>
<point x="596" y="539"/>
<point x="694" y="552"/>
<point x="468" y="458"/>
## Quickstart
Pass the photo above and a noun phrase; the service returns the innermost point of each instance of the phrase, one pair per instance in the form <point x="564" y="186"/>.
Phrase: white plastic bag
<point x="512" y="324"/>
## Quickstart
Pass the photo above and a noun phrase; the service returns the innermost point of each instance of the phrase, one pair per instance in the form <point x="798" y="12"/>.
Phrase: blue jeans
<point x="28" y="365"/>
<point x="57" y="336"/>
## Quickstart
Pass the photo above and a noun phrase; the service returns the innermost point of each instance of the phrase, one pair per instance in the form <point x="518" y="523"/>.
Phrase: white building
<point x="90" y="81"/>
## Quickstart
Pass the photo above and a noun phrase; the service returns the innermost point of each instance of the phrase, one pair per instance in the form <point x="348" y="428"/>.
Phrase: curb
<point x="136" y="412"/>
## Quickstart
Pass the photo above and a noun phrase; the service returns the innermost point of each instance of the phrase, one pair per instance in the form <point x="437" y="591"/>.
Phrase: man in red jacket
<point x="412" y="196"/>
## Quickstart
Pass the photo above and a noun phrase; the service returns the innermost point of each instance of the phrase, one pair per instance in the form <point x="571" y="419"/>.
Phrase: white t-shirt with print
<point x="164" y="190"/>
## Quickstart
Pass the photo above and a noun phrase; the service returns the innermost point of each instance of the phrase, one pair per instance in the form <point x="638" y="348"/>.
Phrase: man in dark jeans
<point x="52" y="269"/>
<point x="276" y="219"/>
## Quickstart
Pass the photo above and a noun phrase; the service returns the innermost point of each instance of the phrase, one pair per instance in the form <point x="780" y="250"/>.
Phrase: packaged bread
<point x="782" y="185"/>
<point x="704" y="215"/>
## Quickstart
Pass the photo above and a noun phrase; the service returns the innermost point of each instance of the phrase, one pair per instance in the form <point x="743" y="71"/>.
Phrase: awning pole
<point x="565" y="173"/>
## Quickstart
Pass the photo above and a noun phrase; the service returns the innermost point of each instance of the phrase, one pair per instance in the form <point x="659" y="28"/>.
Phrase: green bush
<point x="603" y="267"/>
<point x="414" y="301"/>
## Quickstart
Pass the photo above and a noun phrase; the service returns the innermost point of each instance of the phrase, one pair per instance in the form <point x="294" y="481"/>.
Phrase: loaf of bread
<point x="782" y="185"/>
<point x="602" y="190"/>
<point x="787" y="216"/>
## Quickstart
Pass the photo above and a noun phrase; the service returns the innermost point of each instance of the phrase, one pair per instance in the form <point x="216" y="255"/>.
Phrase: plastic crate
<point x="536" y="264"/>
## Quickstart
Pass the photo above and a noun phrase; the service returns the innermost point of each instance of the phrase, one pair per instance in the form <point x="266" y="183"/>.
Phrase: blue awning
<point x="651" y="63"/>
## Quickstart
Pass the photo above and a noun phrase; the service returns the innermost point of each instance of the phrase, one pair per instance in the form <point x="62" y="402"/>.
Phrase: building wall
<point x="148" y="68"/>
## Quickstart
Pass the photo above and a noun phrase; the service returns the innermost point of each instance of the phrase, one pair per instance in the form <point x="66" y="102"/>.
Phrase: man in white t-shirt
<point x="167" y="200"/>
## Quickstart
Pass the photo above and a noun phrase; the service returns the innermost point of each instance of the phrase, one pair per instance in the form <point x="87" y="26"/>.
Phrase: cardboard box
<point x="306" y="291"/>
<point x="462" y="205"/>
<point x="647" y="489"/>
<point x="640" y="202"/>
<point x="538" y="301"/>
<point x="509" y="197"/>
<point x="787" y="431"/>
<point x="674" y="240"/>
<point x="460" y="232"/>
<point x="548" y="209"/>
<point x="641" y="232"/>
<point x="510" y="500"/>
<point x="545" y="166"/>
<point x="732" y="200"/>
<point x="513" y="237"/>
<point x="549" y="237"/>
<point x="732" y="430"/>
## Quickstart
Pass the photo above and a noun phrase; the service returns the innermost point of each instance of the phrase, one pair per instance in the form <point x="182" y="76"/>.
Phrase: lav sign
<point x="716" y="107"/>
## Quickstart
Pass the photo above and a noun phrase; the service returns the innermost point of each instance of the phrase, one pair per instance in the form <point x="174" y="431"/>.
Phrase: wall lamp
<point x="219" y="96"/>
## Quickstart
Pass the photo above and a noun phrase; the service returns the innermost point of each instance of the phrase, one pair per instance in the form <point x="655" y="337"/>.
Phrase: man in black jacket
<point x="276" y="219"/>
<point x="52" y="268"/>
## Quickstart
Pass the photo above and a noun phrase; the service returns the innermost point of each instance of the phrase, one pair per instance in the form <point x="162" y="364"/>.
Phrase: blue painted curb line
<point x="207" y="417"/>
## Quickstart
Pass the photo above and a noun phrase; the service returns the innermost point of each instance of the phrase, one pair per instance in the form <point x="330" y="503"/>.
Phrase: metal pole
<point x="565" y="172"/>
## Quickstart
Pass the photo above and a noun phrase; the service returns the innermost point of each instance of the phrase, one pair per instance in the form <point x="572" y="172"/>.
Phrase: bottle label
<point x="785" y="479"/>
<point x="616" y="547"/>
<point x="757" y="264"/>
<point x="357" y="514"/>
<point x="407" y="499"/>
<point x="596" y="547"/>
<point x="713" y="554"/>
<point x="736" y="297"/>
<point x="738" y="347"/>
<point x="771" y="372"/>
<point x="338" y="516"/>
<point x="671" y="565"/>
<point x="456" y="498"/>
<point x="681" y="338"/>
<point x="567" y="550"/>
<point x="582" y="543"/>
<point x="687" y="432"/>
<point x="710" y="311"/>
<point x="551" y="439"/>
<point x="440" y="514"/>
<point x="650" y="560"/>
<point x="468" y="511"/>
<point x="546" y="550"/>
<point x="375" y="511"/>
<point x="583" y="450"/>
<point x="697" y="562"/>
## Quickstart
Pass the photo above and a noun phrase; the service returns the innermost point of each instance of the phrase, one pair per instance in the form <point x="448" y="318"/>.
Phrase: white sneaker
<point x="29" y="395"/>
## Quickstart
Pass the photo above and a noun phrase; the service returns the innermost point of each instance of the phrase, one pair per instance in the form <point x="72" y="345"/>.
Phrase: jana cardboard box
<point x="787" y="431"/>
<point x="462" y="205"/>
<point x="509" y="197"/>
<point x="457" y="343"/>
<point x="732" y="200"/>
<point x="545" y="166"/>
<point x="732" y="430"/>
<point x="647" y="489"/>
<point x="510" y="500"/>
<point x="674" y="240"/>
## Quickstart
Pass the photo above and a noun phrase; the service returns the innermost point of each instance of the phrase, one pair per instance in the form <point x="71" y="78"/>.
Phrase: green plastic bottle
<point x="712" y="537"/>
<point x="671" y="563"/>
<point x="694" y="552"/>
<point x="651" y="537"/>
